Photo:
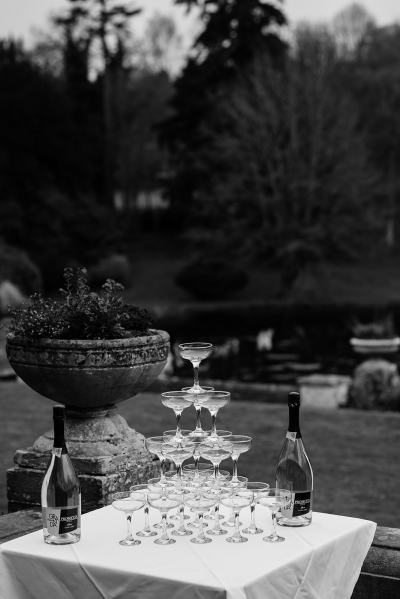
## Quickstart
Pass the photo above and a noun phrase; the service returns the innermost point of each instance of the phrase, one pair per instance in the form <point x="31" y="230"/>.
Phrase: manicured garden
<point x="354" y="453"/>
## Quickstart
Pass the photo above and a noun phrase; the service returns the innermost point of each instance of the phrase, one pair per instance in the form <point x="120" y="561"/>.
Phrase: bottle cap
<point x="58" y="412"/>
<point x="293" y="399"/>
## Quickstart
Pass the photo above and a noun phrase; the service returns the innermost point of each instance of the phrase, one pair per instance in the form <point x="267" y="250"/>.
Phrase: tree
<point x="160" y="45"/>
<point x="234" y="32"/>
<point x="286" y="175"/>
<point x="350" y="27"/>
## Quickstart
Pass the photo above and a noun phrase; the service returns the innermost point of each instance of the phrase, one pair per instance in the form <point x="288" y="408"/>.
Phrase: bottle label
<point x="59" y="521"/>
<point x="299" y="505"/>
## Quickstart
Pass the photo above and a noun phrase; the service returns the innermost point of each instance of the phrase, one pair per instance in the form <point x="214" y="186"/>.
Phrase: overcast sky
<point x="18" y="17"/>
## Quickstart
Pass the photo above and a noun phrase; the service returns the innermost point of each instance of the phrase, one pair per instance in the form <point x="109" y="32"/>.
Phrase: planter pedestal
<point x="107" y="455"/>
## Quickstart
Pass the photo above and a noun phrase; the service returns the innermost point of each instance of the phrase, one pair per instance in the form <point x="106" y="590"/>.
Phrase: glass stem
<point x="213" y="423"/>
<point x="196" y="384"/>
<point x="253" y="516"/>
<point x="196" y="466"/>
<point x="235" y="468"/>
<point x="178" y="424"/>
<point x="215" y="471"/>
<point x="162" y="470"/>
<point x="146" y="519"/>
<point x="274" y="534"/>
<point x="198" y="418"/>
<point x="182" y="517"/>
<point x="129" y="526"/>
<point x="217" y="524"/>
<point x="236" y="534"/>
<point x="164" y="535"/>
<point x="201" y="534"/>
<point x="179" y="470"/>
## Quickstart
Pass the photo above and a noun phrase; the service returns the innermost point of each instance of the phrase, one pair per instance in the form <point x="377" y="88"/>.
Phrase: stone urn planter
<point x="90" y="377"/>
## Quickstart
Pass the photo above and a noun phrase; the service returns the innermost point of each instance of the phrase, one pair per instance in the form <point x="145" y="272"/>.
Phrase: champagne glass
<point x="258" y="488"/>
<point x="164" y="503"/>
<point x="275" y="500"/>
<point x="213" y="401"/>
<point x="241" y="444"/>
<point x="240" y="483"/>
<point x="200" y="502"/>
<point x="178" y="453"/>
<point x="180" y="490"/>
<point x="220" y="489"/>
<point x="198" y="472"/>
<point x="195" y="352"/>
<point x="215" y="453"/>
<point x="138" y="491"/>
<point x="239" y="499"/>
<point x="154" y="445"/>
<point x="177" y="401"/>
<point x="123" y="502"/>
<point x="157" y="485"/>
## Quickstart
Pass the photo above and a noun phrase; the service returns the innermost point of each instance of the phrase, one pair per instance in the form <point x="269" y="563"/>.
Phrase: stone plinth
<point x="107" y="454"/>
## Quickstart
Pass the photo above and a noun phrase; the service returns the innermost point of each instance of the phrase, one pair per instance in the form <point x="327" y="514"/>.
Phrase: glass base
<point x="129" y="542"/>
<point x="253" y="531"/>
<point x="236" y="540"/>
<point x="159" y="525"/>
<point x="146" y="533"/>
<point x="273" y="539"/>
<point x="181" y="533"/>
<point x="195" y="524"/>
<point x="200" y="541"/>
<point x="231" y="523"/>
<point x="165" y="541"/>
<point x="217" y="532"/>
<point x="176" y="517"/>
<point x="198" y="389"/>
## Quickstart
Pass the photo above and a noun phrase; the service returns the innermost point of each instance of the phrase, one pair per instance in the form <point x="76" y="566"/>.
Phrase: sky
<point x="19" y="17"/>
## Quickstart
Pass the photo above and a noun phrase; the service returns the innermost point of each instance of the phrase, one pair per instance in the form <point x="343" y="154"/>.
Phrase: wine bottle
<point x="294" y="472"/>
<point x="61" y="496"/>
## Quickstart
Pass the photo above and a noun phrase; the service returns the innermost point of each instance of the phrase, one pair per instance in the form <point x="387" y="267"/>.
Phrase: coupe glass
<point x="154" y="445"/>
<point x="180" y="490"/>
<point x="164" y="503"/>
<point x="195" y="352"/>
<point x="240" y="483"/>
<point x="275" y="499"/>
<point x="215" y="453"/>
<point x="213" y="401"/>
<point x="197" y="472"/>
<point x="239" y="499"/>
<point x="198" y="431"/>
<point x="158" y="485"/>
<point x="200" y="502"/>
<point x="177" y="401"/>
<point x="258" y="489"/>
<point x="178" y="453"/>
<point x="137" y="491"/>
<point x="220" y="489"/>
<point x="123" y="502"/>
<point x="240" y="444"/>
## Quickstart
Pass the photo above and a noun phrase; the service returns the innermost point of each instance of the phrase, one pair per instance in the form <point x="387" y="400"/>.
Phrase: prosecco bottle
<point x="294" y="472"/>
<point x="61" y="496"/>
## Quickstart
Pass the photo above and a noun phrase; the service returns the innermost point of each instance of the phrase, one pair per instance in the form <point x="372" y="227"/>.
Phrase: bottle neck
<point x="294" y="420"/>
<point x="59" y="439"/>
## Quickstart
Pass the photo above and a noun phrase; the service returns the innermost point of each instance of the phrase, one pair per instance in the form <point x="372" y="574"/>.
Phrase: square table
<point x="321" y="561"/>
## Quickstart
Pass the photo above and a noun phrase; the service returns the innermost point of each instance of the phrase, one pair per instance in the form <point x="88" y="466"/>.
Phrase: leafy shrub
<point x="80" y="313"/>
<point x="115" y="266"/>
<point x="211" y="278"/>
<point x="18" y="268"/>
<point x="375" y="386"/>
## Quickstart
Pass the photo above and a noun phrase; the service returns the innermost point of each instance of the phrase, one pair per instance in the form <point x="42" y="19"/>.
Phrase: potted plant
<point x="375" y="338"/>
<point x="89" y="351"/>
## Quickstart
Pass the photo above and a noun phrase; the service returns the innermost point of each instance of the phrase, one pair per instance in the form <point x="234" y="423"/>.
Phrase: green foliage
<point x="17" y="267"/>
<point x="376" y="385"/>
<point x="80" y="313"/>
<point x="115" y="266"/>
<point x="211" y="278"/>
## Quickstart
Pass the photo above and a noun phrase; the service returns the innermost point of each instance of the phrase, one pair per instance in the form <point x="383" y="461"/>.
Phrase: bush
<point x="18" y="268"/>
<point x="80" y="313"/>
<point x="211" y="279"/>
<point x="375" y="386"/>
<point x="115" y="266"/>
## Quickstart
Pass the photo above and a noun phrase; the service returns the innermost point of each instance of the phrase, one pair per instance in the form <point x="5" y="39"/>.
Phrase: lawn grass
<point x="354" y="454"/>
<point x="156" y="259"/>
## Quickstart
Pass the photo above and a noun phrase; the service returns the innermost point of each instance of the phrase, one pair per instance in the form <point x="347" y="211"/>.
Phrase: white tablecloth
<point x="321" y="561"/>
